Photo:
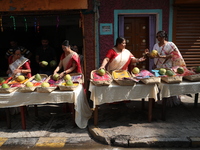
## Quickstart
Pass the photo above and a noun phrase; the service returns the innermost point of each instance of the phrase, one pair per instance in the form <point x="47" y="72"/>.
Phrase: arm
<point x="69" y="70"/>
<point x="104" y="63"/>
<point x="58" y="67"/>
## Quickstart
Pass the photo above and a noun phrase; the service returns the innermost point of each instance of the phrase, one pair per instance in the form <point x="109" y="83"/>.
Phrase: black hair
<point x="162" y="34"/>
<point x="119" y="40"/>
<point x="65" y="43"/>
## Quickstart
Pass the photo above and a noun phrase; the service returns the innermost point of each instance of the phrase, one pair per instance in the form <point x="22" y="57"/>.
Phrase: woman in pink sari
<point x="119" y="58"/>
<point x="69" y="61"/>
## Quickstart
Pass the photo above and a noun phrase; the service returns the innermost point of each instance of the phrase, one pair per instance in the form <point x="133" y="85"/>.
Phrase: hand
<point x="17" y="71"/>
<point x="146" y="51"/>
<point x="141" y="59"/>
<point x="101" y="68"/>
<point x="62" y="74"/>
<point x="41" y="65"/>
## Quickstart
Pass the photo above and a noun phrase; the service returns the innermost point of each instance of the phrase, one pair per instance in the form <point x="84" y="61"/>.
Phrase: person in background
<point x="119" y="58"/>
<point x="14" y="46"/>
<point x="76" y="49"/>
<point x="69" y="61"/>
<point x="22" y="69"/>
<point x="168" y="56"/>
<point x="45" y="53"/>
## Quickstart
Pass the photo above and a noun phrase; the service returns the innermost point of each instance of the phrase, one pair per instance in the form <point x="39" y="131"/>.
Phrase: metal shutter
<point x="186" y="33"/>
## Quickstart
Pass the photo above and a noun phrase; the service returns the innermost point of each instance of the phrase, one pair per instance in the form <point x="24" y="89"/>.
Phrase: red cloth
<point x="26" y="65"/>
<point x="76" y="59"/>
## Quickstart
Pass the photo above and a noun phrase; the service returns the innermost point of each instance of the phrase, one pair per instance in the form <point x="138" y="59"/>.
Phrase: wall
<point x="107" y="8"/>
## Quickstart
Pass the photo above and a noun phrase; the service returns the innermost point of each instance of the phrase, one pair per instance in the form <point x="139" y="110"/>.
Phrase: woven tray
<point x="79" y="80"/>
<point x="173" y="79"/>
<point x="45" y="89"/>
<point x="8" y="90"/>
<point x="26" y="89"/>
<point x="195" y="77"/>
<point x="151" y="80"/>
<point x="31" y="79"/>
<point x="127" y="79"/>
<point x="67" y="88"/>
<point x="105" y="82"/>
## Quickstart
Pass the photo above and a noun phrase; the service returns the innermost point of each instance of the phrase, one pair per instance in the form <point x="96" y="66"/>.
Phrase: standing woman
<point x="69" y="61"/>
<point x="168" y="57"/>
<point x="168" y="53"/>
<point x="18" y="65"/>
<point x="119" y="58"/>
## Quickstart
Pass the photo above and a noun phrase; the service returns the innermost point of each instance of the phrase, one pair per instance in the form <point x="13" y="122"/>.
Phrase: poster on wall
<point x="106" y="29"/>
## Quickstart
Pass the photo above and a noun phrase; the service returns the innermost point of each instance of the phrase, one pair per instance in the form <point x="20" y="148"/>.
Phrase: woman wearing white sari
<point x="119" y="58"/>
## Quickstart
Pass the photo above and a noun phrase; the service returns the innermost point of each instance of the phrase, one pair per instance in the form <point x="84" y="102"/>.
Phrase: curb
<point x="97" y="134"/>
<point x="127" y="141"/>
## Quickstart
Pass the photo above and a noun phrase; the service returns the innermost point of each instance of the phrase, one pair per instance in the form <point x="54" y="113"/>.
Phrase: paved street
<point x="121" y="125"/>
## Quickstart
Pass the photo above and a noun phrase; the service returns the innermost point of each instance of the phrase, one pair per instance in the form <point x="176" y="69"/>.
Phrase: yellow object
<point x="154" y="53"/>
<point x="120" y="74"/>
<point x="15" y="81"/>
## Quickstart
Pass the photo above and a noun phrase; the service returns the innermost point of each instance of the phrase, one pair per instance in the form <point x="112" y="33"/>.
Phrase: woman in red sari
<point x="19" y="65"/>
<point x="69" y="61"/>
<point x="119" y="58"/>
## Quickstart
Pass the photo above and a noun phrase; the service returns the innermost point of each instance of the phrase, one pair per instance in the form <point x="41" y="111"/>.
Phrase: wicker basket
<point x="79" y="80"/>
<point x="195" y="77"/>
<point x="106" y="81"/>
<point x="45" y="89"/>
<point x="151" y="80"/>
<point x="26" y="89"/>
<point x="8" y="90"/>
<point x="68" y="88"/>
<point x="172" y="79"/>
<point x="32" y="79"/>
<point x="127" y="79"/>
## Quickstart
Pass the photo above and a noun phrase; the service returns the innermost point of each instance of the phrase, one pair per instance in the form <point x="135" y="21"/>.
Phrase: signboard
<point x="106" y="29"/>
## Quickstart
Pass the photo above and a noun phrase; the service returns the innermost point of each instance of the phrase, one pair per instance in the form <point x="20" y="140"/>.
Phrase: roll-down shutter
<point x="186" y="33"/>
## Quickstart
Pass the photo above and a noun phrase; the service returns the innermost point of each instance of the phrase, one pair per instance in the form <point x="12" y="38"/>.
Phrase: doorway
<point x="136" y="32"/>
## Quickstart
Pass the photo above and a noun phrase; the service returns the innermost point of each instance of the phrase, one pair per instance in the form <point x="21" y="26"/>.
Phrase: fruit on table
<point x="162" y="71"/>
<point x="29" y="84"/>
<point x="45" y="84"/>
<point x="5" y="85"/>
<point x="45" y="63"/>
<point x="169" y="73"/>
<point x="101" y="72"/>
<point x="67" y="77"/>
<point x="56" y="77"/>
<point x="20" y="78"/>
<point x="154" y="53"/>
<point x="38" y="77"/>
<point x="136" y="70"/>
<point x="69" y="83"/>
<point x="2" y="80"/>
<point x="180" y="70"/>
<point x="53" y="63"/>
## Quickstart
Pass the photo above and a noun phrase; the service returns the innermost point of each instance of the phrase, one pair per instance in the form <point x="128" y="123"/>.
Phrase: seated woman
<point x="119" y="58"/>
<point x="18" y="65"/>
<point x="69" y="61"/>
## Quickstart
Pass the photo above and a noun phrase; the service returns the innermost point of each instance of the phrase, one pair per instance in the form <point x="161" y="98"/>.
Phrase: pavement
<point x="120" y="124"/>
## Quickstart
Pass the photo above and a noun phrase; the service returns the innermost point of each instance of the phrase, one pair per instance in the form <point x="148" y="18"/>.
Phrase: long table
<point x="77" y="97"/>
<point x="185" y="87"/>
<point x="114" y="93"/>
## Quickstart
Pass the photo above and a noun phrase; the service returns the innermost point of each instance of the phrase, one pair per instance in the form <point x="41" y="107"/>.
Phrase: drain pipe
<point x="96" y="11"/>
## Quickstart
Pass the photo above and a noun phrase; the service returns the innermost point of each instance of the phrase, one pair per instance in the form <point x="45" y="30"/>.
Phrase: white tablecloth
<point x="82" y="109"/>
<point x="185" y="87"/>
<point x="114" y="92"/>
